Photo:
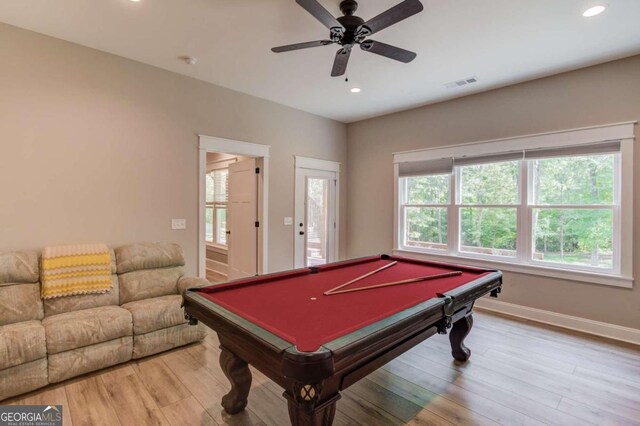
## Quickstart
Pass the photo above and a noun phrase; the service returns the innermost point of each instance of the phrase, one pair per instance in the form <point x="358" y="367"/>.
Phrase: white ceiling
<point x="499" y="41"/>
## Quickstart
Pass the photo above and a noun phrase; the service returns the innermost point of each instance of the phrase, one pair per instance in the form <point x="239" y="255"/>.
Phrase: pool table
<point x="315" y="345"/>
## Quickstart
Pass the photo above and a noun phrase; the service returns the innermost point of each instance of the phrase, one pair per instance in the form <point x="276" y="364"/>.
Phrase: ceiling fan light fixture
<point x="355" y="90"/>
<point x="595" y="10"/>
<point x="350" y="30"/>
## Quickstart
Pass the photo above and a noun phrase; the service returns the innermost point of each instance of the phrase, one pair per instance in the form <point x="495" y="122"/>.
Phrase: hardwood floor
<point x="520" y="373"/>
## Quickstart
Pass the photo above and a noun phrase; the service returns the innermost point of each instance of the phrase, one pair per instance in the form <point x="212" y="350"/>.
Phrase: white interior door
<point x="242" y="215"/>
<point x="315" y="217"/>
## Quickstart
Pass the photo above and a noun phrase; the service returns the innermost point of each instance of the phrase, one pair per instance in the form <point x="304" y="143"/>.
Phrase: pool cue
<point x="361" y="277"/>
<point x="410" y="280"/>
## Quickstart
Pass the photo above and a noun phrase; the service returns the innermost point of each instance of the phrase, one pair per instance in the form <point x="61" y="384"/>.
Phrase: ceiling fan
<point x="349" y="30"/>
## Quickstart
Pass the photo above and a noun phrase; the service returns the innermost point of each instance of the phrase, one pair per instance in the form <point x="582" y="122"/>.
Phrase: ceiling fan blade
<point x="320" y="13"/>
<point x="392" y="16"/>
<point x="298" y="46"/>
<point x="387" y="50"/>
<point x="340" y="64"/>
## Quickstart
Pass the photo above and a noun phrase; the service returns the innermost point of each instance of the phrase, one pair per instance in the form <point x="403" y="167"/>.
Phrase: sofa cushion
<point x="19" y="267"/>
<point x="166" y="339"/>
<point x="21" y="343"/>
<point x="114" y="264"/>
<point x="20" y="302"/>
<point x="86" y="327"/>
<point x="23" y="378"/>
<point x="61" y="305"/>
<point x="136" y="257"/>
<point x="79" y="361"/>
<point x="185" y="283"/>
<point x="155" y="314"/>
<point x="138" y="285"/>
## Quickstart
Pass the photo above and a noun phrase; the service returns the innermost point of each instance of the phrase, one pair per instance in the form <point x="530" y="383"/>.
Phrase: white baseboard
<point x="602" y="329"/>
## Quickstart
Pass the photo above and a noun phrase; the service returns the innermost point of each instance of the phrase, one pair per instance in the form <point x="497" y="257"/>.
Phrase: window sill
<point x="544" y="271"/>
<point x="217" y="248"/>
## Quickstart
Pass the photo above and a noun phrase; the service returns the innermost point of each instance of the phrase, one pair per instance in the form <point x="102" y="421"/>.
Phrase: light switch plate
<point x="178" y="223"/>
<point x="288" y="221"/>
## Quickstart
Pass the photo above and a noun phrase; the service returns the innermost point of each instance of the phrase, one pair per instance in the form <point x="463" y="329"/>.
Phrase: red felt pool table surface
<point x="292" y="305"/>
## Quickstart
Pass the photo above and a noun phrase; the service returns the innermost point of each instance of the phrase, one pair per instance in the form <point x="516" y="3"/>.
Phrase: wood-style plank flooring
<point x="520" y="373"/>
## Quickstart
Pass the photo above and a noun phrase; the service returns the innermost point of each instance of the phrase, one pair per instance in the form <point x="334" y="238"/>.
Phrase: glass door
<point x="315" y="223"/>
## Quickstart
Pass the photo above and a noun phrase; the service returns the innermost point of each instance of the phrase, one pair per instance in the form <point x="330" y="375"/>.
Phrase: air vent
<point x="461" y="83"/>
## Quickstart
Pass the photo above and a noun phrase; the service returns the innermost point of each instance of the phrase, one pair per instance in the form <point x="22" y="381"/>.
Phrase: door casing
<point x="248" y="149"/>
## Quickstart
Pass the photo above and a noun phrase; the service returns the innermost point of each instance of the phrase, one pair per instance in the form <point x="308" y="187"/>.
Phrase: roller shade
<point x="484" y="159"/>
<point x="445" y="165"/>
<point x="569" y="151"/>
<point x="424" y="168"/>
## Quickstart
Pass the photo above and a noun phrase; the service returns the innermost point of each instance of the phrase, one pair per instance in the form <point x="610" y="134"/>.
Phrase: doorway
<point x="316" y="212"/>
<point x="233" y="209"/>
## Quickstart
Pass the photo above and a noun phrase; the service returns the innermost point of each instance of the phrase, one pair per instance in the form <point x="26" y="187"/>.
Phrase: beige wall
<point x="94" y="147"/>
<point x="608" y="93"/>
<point x="221" y="159"/>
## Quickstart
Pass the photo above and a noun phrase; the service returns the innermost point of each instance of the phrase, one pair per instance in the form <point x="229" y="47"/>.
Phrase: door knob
<point x="228" y="232"/>
<point x="301" y="232"/>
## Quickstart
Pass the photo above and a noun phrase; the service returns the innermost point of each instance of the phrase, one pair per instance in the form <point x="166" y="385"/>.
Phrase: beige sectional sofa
<point x="42" y="343"/>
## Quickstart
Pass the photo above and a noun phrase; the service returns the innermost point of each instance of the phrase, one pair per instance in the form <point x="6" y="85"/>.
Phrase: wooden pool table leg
<point x="238" y="373"/>
<point x="458" y="333"/>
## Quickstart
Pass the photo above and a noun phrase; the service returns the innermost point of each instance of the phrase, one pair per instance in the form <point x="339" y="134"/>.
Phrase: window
<point x="556" y="208"/>
<point x="217" y="185"/>
<point x="488" y="198"/>
<point x="424" y="205"/>
<point x="573" y="210"/>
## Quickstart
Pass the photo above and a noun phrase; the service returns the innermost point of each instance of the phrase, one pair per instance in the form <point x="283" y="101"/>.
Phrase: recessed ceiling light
<point x="355" y="90"/>
<point x="135" y="1"/>
<point x="595" y="10"/>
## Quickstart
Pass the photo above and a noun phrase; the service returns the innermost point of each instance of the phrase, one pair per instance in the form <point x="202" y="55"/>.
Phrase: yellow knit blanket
<point x="76" y="269"/>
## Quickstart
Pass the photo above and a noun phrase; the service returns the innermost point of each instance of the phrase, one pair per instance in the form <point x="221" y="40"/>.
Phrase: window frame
<point x="621" y="272"/>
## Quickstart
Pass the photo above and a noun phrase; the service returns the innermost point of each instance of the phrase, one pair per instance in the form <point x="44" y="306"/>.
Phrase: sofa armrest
<point x="185" y="283"/>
